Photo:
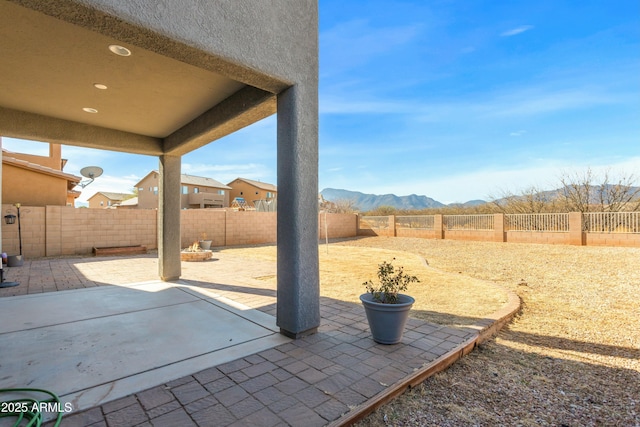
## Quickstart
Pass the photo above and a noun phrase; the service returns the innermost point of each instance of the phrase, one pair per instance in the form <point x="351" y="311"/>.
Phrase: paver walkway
<point x="328" y="378"/>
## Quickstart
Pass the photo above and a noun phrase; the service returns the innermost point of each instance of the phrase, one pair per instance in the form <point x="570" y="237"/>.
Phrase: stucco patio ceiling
<point x="165" y="98"/>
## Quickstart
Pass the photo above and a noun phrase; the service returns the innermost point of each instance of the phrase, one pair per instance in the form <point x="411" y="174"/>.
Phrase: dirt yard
<point x="572" y="357"/>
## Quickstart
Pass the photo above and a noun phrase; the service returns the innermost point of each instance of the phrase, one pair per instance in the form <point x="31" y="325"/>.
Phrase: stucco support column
<point x="298" y="303"/>
<point x="169" y="218"/>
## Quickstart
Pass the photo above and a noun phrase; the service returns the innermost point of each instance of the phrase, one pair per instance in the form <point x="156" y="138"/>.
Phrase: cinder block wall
<point x="83" y="229"/>
<point x="338" y="225"/>
<point x="470" y="235"/>
<point x="575" y="235"/>
<point x="62" y="230"/>
<point x="33" y="231"/>
<point x="250" y="227"/>
<point x="546" y="237"/>
<point x="195" y="223"/>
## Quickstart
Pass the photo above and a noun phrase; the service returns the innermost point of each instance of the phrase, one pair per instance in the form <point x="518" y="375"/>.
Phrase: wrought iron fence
<point x="611" y="222"/>
<point x="537" y="222"/>
<point x="422" y="222"/>
<point x="374" y="222"/>
<point x="604" y="222"/>
<point x="468" y="222"/>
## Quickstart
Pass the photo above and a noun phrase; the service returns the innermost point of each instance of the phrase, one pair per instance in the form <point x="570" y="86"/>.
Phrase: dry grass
<point x="441" y="297"/>
<point x="571" y="358"/>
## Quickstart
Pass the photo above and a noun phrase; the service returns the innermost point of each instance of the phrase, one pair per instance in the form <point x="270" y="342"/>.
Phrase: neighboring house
<point x="251" y="190"/>
<point x="104" y="199"/>
<point x="131" y="203"/>
<point x="37" y="180"/>
<point x="196" y="192"/>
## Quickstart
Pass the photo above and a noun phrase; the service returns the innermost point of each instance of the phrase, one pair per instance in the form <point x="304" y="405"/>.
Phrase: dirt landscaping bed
<point x="571" y="358"/>
<point x="441" y="297"/>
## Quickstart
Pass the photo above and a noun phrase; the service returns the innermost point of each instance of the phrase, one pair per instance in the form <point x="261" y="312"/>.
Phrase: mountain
<point x="367" y="202"/>
<point x="469" y="204"/>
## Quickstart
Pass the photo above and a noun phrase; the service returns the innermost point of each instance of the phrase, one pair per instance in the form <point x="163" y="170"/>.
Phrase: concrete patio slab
<point x="333" y="378"/>
<point x="94" y="345"/>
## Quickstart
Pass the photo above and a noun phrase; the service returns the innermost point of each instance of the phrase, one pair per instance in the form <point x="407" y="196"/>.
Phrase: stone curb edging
<point x="486" y="329"/>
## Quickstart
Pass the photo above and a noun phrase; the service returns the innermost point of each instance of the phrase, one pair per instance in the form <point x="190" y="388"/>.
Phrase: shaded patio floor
<point x="329" y="378"/>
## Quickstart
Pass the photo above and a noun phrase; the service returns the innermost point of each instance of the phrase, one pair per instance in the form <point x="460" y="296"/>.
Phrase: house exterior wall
<point x="249" y="192"/>
<point x="31" y="188"/>
<point x="100" y="201"/>
<point x="148" y="190"/>
<point x="53" y="161"/>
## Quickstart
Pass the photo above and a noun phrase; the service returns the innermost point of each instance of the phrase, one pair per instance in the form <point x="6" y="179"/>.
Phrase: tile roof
<point x="202" y="181"/>
<point x="112" y="196"/>
<point x="6" y="158"/>
<point x="193" y="180"/>
<point x="262" y="185"/>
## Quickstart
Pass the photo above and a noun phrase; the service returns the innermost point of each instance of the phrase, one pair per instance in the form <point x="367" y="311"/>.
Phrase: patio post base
<point x="297" y="335"/>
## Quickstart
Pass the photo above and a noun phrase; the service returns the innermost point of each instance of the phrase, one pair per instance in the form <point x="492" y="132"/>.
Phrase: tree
<point x="530" y="200"/>
<point x="580" y="192"/>
<point x="345" y="206"/>
<point x="383" y="211"/>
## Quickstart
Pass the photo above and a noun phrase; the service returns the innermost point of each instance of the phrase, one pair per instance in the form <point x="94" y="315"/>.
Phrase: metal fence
<point x="537" y="222"/>
<point x="420" y="222"/>
<point x="374" y="222"/>
<point x="603" y="222"/>
<point x="468" y="222"/>
<point x="611" y="222"/>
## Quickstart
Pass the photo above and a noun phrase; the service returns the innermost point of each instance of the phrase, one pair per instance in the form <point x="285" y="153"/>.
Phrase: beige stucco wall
<point x="148" y="200"/>
<point x="53" y="161"/>
<point x="31" y="188"/>
<point x="99" y="201"/>
<point x="146" y="197"/>
<point x="248" y="192"/>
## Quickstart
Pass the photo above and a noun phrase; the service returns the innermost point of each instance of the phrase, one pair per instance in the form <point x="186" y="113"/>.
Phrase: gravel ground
<point x="571" y="358"/>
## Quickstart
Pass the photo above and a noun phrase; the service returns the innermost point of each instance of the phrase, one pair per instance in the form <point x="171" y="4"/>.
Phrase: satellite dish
<point x="91" y="172"/>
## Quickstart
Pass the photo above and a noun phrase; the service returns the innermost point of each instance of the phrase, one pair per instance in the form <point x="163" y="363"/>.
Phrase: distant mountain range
<point x="366" y="202"/>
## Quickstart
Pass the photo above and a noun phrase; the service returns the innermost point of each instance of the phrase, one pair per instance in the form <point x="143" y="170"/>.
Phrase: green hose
<point x="27" y="409"/>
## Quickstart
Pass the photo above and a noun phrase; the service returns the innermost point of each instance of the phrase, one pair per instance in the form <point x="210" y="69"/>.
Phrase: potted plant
<point x="386" y="308"/>
<point x="204" y="243"/>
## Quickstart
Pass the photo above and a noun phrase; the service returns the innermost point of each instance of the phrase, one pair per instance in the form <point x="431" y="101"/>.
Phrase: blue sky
<point x="456" y="100"/>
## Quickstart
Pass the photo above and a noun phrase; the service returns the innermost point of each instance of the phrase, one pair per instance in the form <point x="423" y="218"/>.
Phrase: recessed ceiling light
<point x="90" y="110"/>
<point x="99" y="86"/>
<point x="119" y="50"/>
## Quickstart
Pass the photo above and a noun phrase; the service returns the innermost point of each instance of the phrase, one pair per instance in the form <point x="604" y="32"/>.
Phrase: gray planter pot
<point x="205" y="244"/>
<point x="387" y="321"/>
<point x="15" y="261"/>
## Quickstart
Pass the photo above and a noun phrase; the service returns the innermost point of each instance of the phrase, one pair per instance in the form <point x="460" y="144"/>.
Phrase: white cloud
<point x="517" y="30"/>
<point x="355" y="42"/>
<point x="530" y="100"/>
<point x="487" y="183"/>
